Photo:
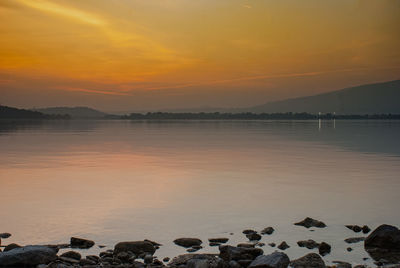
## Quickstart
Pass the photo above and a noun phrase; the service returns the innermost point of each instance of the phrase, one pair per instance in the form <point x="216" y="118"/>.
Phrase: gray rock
<point x="11" y="246"/>
<point x="229" y="253"/>
<point x="272" y="245"/>
<point x="248" y="231"/>
<point x="311" y="260"/>
<point x="234" y="264"/>
<point x="153" y="242"/>
<point x="136" y="247"/>
<point x="283" y="246"/>
<point x="310" y="222"/>
<point x="148" y="259"/>
<point x="353" y="240"/>
<point x="191" y="250"/>
<point x="221" y="240"/>
<point x="86" y="261"/>
<point x="349" y="249"/>
<point x="268" y="231"/>
<point x="310" y="244"/>
<point x="253" y="237"/>
<point x="124" y="256"/>
<point x="81" y="243"/>
<point x="342" y="264"/>
<point x="365" y="229"/>
<point x="197" y="263"/>
<point x="354" y="228"/>
<point x="68" y="260"/>
<point x="182" y="260"/>
<point x="28" y="256"/>
<point x="188" y="242"/>
<point x="214" y="244"/>
<point x="384" y="237"/>
<point x="324" y="248"/>
<point x="274" y="260"/>
<point x="5" y="235"/>
<point x="72" y="254"/>
<point x="246" y="245"/>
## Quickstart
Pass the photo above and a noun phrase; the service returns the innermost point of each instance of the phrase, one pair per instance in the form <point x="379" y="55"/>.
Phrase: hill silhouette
<point x="74" y="112"/>
<point x="15" y="113"/>
<point x="379" y="98"/>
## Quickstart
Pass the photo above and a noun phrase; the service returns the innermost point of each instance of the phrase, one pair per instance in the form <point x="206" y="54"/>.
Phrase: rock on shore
<point x="136" y="247"/>
<point x="310" y="222"/>
<point x="28" y="256"/>
<point x="188" y="242"/>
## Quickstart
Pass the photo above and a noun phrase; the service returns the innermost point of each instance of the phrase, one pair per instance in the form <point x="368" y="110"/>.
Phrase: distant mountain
<point x="15" y="113"/>
<point x="74" y="112"/>
<point x="376" y="98"/>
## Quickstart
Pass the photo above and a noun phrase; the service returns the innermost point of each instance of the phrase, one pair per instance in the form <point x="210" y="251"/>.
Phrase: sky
<point x="131" y="55"/>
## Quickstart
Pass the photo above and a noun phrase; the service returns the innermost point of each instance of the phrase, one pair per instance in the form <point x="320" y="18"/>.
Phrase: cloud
<point x="72" y="13"/>
<point x="94" y="91"/>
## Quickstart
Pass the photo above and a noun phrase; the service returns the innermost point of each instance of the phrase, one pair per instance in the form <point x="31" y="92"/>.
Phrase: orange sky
<point x="133" y="54"/>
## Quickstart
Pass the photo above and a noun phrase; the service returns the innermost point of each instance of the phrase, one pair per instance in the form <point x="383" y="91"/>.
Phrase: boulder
<point x="268" y="231"/>
<point x="5" y="235"/>
<point x="221" y="240"/>
<point x="310" y="244"/>
<point x="72" y="255"/>
<point x="229" y="253"/>
<point x="384" y="237"/>
<point x="195" y="260"/>
<point x="136" y="247"/>
<point x="188" y="242"/>
<point x="324" y="249"/>
<point x="274" y="260"/>
<point x="310" y="222"/>
<point x="81" y="243"/>
<point x="311" y="260"/>
<point x="28" y="256"/>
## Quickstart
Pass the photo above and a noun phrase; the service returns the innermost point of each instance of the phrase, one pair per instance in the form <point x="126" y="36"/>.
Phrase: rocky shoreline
<point x="382" y="244"/>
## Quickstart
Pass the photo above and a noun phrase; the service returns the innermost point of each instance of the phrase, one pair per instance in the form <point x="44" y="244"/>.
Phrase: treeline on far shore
<point x="251" y="116"/>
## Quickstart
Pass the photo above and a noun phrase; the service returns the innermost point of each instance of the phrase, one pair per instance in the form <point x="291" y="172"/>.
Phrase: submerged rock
<point x="283" y="246"/>
<point x="188" y="242"/>
<point x="354" y="228"/>
<point x="353" y="240"/>
<point x="310" y="222"/>
<point x="311" y="260"/>
<point x="136" y="247"/>
<point x="324" y="248"/>
<point x="253" y="237"/>
<point x="274" y="260"/>
<point x="268" y="231"/>
<point x="81" y="243"/>
<point x="310" y="244"/>
<point x="28" y="256"/>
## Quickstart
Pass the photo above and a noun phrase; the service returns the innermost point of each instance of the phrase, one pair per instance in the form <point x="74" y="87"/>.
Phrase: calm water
<point x="114" y="181"/>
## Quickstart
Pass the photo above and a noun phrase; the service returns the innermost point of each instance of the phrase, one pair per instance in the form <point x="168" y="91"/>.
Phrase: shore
<point x="382" y="245"/>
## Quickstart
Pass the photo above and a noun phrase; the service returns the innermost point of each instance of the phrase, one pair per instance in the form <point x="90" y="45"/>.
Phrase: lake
<point x="113" y="181"/>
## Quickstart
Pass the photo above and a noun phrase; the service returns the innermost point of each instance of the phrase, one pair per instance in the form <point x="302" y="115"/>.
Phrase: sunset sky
<point x="127" y="55"/>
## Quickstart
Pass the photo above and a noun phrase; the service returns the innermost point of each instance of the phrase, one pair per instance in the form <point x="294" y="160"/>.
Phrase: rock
<point x="218" y="240"/>
<point x="5" y="235"/>
<point x="354" y="228"/>
<point x="72" y="254"/>
<point x="93" y="258"/>
<point x="125" y="256"/>
<point x="81" y="243"/>
<point x="234" y="264"/>
<point x="11" y="246"/>
<point x="244" y="263"/>
<point x="349" y="249"/>
<point x="360" y="266"/>
<point x="188" y="242"/>
<point x="148" y="259"/>
<point x="253" y="237"/>
<point x="384" y="237"/>
<point x="154" y="243"/>
<point x="136" y="247"/>
<point x="229" y="253"/>
<point x="214" y="244"/>
<point x="365" y="229"/>
<point x="260" y="244"/>
<point x="274" y="260"/>
<point x="183" y="260"/>
<point x="86" y="261"/>
<point x="246" y="245"/>
<point x="197" y="263"/>
<point x="324" y="249"/>
<point x="106" y="254"/>
<point x="311" y="260"/>
<point x="68" y="260"/>
<point x="101" y="246"/>
<point x="28" y="256"/>
<point x="309" y="222"/>
<point x="272" y="245"/>
<point x="166" y="259"/>
<point x="310" y="244"/>
<point x="268" y="231"/>
<point x="190" y="250"/>
<point x="283" y="246"/>
<point x="248" y="231"/>
<point x="353" y="240"/>
<point x="342" y="264"/>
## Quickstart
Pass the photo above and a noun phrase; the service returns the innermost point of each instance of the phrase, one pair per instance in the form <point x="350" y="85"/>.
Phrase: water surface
<point x="114" y="181"/>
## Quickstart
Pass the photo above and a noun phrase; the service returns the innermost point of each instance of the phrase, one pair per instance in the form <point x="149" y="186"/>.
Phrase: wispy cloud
<point x="69" y="12"/>
<point x="94" y="91"/>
